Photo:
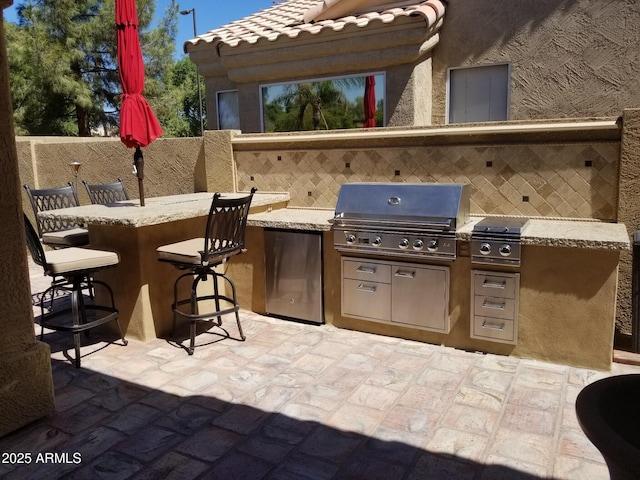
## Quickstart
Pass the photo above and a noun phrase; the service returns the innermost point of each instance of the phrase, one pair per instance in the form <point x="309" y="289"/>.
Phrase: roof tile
<point x="286" y="19"/>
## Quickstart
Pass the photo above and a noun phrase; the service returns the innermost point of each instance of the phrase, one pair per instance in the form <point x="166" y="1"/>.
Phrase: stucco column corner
<point x="26" y="384"/>
<point x="219" y="167"/>
<point x="628" y="211"/>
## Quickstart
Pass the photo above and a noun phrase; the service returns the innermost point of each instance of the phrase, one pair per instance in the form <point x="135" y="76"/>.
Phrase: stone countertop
<point x="157" y="210"/>
<point x="565" y="233"/>
<point x="541" y="232"/>
<point x="293" y="218"/>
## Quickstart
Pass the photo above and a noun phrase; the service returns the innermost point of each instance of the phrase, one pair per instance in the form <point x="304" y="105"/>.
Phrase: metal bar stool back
<point x="106" y="193"/>
<point x="56" y="233"/>
<point x="74" y="266"/>
<point x="224" y="237"/>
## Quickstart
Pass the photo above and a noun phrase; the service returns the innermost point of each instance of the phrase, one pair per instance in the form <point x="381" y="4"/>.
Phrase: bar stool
<point x="74" y="266"/>
<point x="106" y="193"/>
<point x="54" y="233"/>
<point x="223" y="238"/>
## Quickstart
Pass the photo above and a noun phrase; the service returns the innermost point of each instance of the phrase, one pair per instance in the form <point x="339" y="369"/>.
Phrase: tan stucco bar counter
<point x="143" y="286"/>
<point x="567" y="294"/>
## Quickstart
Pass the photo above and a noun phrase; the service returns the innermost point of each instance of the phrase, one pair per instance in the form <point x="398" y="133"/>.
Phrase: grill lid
<point x="500" y="225"/>
<point x="435" y="205"/>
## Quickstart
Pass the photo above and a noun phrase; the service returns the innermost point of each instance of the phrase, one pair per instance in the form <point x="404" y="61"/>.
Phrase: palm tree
<point x="315" y="95"/>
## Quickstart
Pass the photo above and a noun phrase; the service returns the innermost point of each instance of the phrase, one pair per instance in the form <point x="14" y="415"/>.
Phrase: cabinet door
<point x="420" y="296"/>
<point x="366" y="299"/>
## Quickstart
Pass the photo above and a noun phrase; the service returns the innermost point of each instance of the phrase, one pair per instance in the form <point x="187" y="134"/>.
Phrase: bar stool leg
<point x="77" y="311"/>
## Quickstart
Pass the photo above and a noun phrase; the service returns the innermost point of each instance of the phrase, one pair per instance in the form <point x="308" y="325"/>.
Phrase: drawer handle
<point x="489" y="284"/>
<point x="405" y="274"/>
<point x="366" y="288"/>
<point x="496" y="306"/>
<point x="363" y="269"/>
<point x="493" y="326"/>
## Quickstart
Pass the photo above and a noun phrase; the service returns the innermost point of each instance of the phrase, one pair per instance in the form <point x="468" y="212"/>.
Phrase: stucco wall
<point x="569" y="58"/>
<point x="169" y="164"/>
<point x="560" y="175"/>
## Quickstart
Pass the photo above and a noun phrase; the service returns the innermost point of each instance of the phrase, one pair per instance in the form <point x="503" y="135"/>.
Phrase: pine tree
<point x="63" y="64"/>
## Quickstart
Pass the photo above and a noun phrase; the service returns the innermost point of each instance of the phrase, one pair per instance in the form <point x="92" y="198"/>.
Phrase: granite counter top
<point x="157" y="210"/>
<point x="565" y="233"/>
<point x="540" y="232"/>
<point x="293" y="218"/>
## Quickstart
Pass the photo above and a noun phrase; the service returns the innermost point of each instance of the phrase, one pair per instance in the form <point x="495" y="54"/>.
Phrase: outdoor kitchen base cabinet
<point x="414" y="295"/>
<point x="494" y="303"/>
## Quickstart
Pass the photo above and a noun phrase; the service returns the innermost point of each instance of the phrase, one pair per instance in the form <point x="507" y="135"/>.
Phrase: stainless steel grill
<point x="497" y="240"/>
<point x="410" y="220"/>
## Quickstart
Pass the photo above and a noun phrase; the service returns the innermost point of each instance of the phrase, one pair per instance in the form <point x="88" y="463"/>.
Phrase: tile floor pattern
<point x="298" y="402"/>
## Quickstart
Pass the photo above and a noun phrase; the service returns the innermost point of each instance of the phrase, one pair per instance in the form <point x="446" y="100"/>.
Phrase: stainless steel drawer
<point x="494" y="329"/>
<point x="495" y="285"/>
<point x="367" y="271"/>
<point x="496" y="307"/>
<point x="366" y="299"/>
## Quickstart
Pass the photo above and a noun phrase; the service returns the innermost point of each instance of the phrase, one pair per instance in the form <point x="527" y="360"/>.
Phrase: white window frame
<point x="449" y="99"/>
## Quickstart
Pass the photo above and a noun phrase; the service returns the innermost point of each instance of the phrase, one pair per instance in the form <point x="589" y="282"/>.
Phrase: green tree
<point x="177" y="108"/>
<point x="307" y="101"/>
<point x="63" y="64"/>
<point x="313" y="106"/>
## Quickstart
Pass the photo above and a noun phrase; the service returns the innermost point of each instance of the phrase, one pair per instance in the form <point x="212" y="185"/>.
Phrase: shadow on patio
<point x="299" y="401"/>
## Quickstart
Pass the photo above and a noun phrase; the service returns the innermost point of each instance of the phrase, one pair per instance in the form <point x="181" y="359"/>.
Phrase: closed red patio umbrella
<point x="370" y="102"/>
<point x="138" y="124"/>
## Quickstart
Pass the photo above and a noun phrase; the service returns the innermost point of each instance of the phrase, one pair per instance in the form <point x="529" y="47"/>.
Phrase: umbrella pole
<point x="138" y="166"/>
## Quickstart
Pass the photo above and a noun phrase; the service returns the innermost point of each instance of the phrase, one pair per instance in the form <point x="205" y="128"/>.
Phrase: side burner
<point x="497" y="240"/>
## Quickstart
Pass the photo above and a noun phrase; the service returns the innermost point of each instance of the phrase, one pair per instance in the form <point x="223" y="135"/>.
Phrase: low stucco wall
<point x="584" y="174"/>
<point x="567" y="302"/>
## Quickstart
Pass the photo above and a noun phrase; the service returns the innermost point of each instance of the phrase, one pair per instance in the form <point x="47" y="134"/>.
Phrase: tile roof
<point x="287" y="19"/>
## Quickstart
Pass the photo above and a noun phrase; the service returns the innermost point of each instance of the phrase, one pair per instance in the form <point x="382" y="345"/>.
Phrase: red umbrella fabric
<point x="138" y="124"/>
<point x="370" y="102"/>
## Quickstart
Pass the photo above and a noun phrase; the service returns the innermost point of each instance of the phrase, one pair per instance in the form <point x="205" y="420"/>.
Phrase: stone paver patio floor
<point x="298" y="401"/>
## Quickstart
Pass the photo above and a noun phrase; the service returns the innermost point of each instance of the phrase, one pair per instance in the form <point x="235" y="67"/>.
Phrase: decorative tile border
<point x="576" y="180"/>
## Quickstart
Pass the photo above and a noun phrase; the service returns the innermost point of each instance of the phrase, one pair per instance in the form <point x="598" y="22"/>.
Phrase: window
<point x="478" y="94"/>
<point x="324" y="104"/>
<point x="228" y="111"/>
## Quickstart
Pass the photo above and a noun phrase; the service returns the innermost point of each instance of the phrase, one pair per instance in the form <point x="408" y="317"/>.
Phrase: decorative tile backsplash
<point x="577" y="180"/>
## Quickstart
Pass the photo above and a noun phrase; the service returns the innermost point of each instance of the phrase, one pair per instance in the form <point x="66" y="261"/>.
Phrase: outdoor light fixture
<point x="75" y="167"/>
<point x="195" y="34"/>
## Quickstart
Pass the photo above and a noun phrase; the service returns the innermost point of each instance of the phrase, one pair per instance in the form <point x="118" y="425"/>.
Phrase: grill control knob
<point x="485" y="248"/>
<point x="432" y="246"/>
<point x="505" y="250"/>
<point x="377" y="242"/>
<point x="404" y="243"/>
<point x="418" y="244"/>
<point x="351" y="238"/>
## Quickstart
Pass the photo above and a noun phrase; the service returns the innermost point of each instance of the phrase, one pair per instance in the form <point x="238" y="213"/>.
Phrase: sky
<point x="209" y="15"/>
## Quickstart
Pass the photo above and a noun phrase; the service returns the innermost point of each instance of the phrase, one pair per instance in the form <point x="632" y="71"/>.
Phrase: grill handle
<point x="405" y="274"/>
<point x="492" y="326"/>
<point x="488" y="284"/>
<point x="496" y="306"/>
<point x="366" y="288"/>
<point x="363" y="269"/>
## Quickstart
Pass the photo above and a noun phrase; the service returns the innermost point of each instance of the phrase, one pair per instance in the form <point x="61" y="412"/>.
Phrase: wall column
<point x="217" y="170"/>
<point x="26" y="386"/>
<point x="628" y="209"/>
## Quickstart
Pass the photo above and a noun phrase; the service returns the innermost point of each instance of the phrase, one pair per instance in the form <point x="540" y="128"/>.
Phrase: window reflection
<point x="228" y="111"/>
<point x="324" y="104"/>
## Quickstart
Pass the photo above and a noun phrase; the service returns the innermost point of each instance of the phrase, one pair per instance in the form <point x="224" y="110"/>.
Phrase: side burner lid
<point x="501" y="225"/>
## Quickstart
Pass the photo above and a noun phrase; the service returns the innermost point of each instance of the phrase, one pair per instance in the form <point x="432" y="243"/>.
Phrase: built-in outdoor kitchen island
<point x="565" y="289"/>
